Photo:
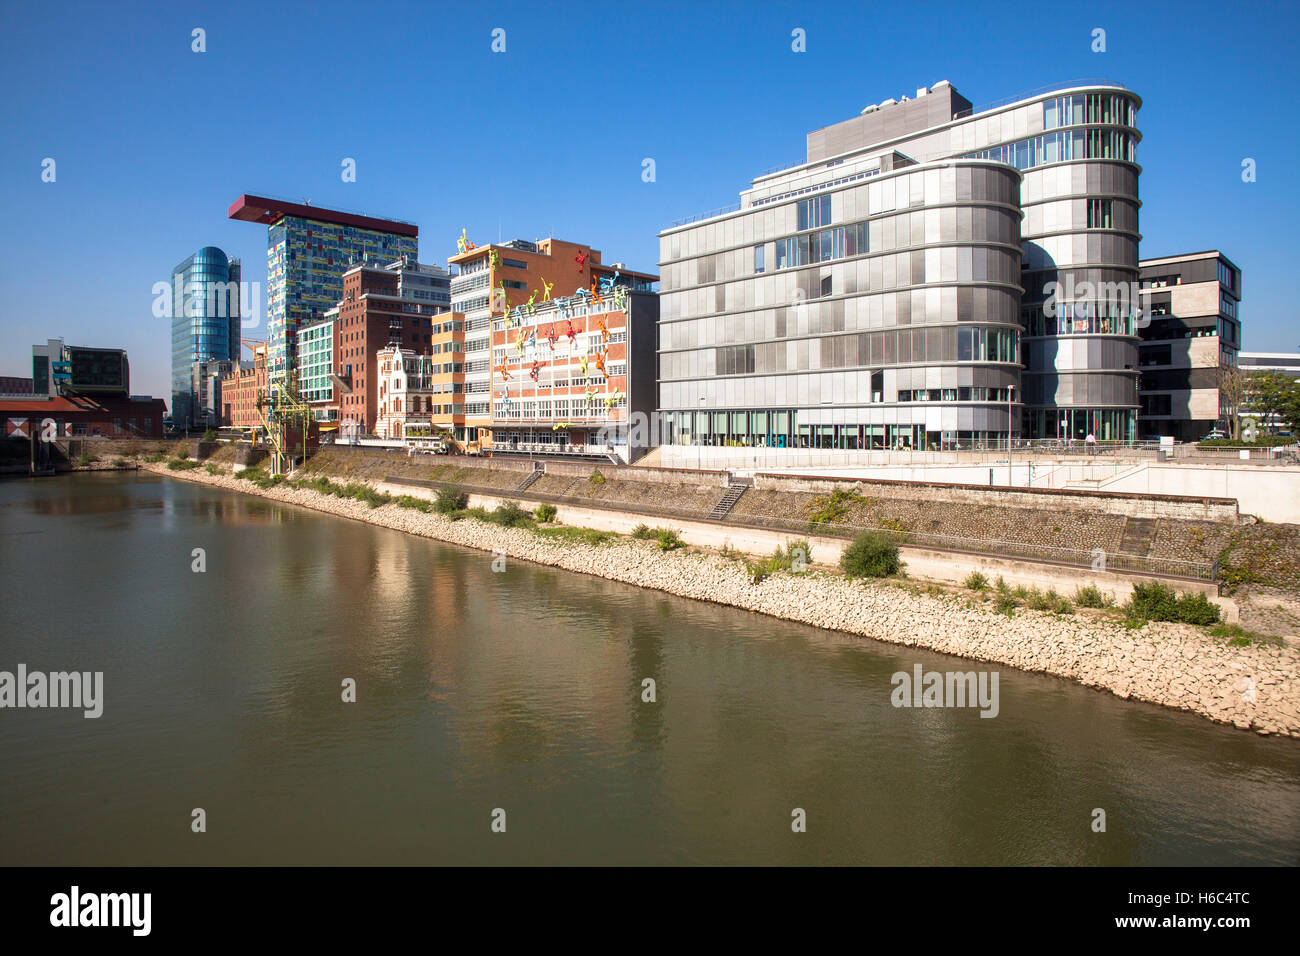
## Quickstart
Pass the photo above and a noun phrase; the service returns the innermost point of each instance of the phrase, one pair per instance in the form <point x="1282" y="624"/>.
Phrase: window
<point x="1101" y="213"/>
<point x="759" y="258"/>
<point x="814" y="212"/>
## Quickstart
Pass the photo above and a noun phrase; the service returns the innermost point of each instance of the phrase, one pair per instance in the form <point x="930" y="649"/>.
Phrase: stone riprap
<point x="1256" y="687"/>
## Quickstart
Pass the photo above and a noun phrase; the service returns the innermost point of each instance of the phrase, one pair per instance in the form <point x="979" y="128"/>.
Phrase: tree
<point x="1289" y="409"/>
<point x="1267" y="393"/>
<point x="1232" y="396"/>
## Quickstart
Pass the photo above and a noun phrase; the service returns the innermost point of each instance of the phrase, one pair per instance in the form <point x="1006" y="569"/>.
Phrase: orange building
<point x="546" y="396"/>
<point x="239" y="391"/>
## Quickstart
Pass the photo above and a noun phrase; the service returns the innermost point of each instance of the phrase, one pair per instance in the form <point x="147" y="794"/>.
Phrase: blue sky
<point x="153" y="141"/>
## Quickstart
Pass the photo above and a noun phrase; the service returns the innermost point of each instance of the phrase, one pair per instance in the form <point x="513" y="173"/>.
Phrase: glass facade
<point x="305" y="262"/>
<point x="316" y="363"/>
<point x="205" y="327"/>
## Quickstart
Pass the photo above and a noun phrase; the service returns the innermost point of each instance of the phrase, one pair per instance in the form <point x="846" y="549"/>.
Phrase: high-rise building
<point x="498" y="277"/>
<point x="205" y="332"/>
<point x="1286" y="363"/>
<point x="1190" y="334"/>
<point x="927" y="275"/>
<point x="308" y="249"/>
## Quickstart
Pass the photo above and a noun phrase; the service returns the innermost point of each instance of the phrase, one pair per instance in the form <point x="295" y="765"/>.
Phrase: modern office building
<point x="83" y="392"/>
<point x="383" y="303"/>
<point x="308" y="249"/>
<point x="205" y="329"/>
<point x="15" y="385"/>
<point x="501" y="277"/>
<point x="65" y="370"/>
<point x="1190" y="334"/>
<point x="876" y="294"/>
<point x="316" y="372"/>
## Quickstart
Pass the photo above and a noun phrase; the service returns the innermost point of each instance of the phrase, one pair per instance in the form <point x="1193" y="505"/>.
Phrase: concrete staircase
<point x="538" y="470"/>
<point x="735" y="488"/>
<point x="1138" y="535"/>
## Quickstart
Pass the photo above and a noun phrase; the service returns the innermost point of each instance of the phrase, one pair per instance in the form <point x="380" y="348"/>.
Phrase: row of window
<point x="1060" y="147"/>
<point x="889" y="348"/>
<point x="1087" y="108"/>
<point x="973" y="393"/>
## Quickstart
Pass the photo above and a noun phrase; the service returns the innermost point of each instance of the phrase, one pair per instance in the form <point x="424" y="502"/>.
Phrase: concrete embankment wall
<point x="927" y="564"/>
<point x="1110" y="502"/>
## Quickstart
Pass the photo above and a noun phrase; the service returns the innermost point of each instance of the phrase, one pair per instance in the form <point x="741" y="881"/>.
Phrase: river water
<point x="521" y="691"/>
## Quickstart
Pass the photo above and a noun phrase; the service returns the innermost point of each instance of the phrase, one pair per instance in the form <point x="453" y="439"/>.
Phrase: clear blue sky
<point x="153" y="142"/>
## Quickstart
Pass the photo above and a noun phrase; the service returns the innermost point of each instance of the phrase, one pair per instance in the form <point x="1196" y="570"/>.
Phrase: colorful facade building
<point x="571" y="375"/>
<point x="498" y="279"/>
<point x="308" y="250"/>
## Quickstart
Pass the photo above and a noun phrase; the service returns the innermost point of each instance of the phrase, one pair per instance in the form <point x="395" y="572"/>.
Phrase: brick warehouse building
<point x="382" y="305"/>
<point x="88" y="416"/>
<point x="239" y="391"/>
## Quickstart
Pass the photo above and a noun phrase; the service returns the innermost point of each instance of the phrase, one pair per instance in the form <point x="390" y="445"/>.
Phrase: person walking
<point x="1091" y="442"/>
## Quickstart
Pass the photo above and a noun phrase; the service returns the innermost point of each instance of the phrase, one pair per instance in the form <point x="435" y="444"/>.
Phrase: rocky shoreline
<point x="1174" y="665"/>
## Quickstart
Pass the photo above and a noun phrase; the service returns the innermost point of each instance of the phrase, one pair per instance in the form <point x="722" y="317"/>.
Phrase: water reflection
<point x="523" y="690"/>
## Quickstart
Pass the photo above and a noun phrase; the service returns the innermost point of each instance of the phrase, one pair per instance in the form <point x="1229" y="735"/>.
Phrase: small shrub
<point x="643" y="532"/>
<point x="1198" y="609"/>
<point x="1090" y="596"/>
<point x="1239" y="642"/>
<point x="668" y="540"/>
<point x="508" y="514"/>
<point x="545" y="513"/>
<point x="1004" y="603"/>
<point x="181" y="464"/>
<point x="212" y="470"/>
<point x="86" y="461"/>
<point x="596" y="478"/>
<point x="871" y="555"/>
<point x="1153" y="602"/>
<point x="976" y="581"/>
<point x="155" y="458"/>
<point x="450" y="499"/>
<point x="209" y="435"/>
<point x="412" y="503"/>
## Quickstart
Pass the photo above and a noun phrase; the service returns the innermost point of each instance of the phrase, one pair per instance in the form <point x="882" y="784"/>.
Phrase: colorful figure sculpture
<point x="532" y="372"/>
<point x="571" y="333"/>
<point x="604" y="332"/>
<point x="494" y="260"/>
<point x="600" y="364"/>
<point x="607" y="283"/>
<point x="463" y="244"/>
<point x="581" y="260"/>
<point x="582" y="366"/>
<point x="505" y="372"/>
<point x="504" y="301"/>
<point x="546" y="290"/>
<point x="551" y="337"/>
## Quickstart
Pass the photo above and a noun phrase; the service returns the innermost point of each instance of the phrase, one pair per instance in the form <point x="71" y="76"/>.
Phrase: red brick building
<point x="85" y="416"/>
<point x="239" y="391"/>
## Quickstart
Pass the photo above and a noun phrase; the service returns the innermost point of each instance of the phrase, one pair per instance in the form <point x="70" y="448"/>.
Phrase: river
<point x="521" y="691"/>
